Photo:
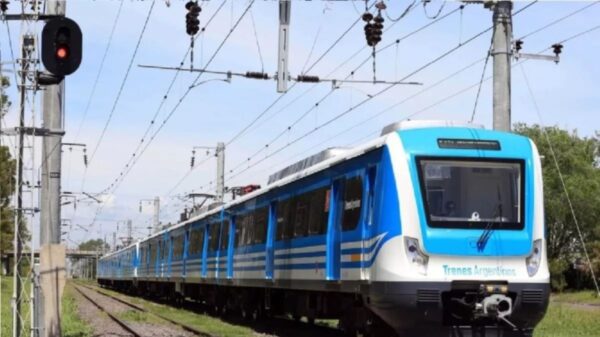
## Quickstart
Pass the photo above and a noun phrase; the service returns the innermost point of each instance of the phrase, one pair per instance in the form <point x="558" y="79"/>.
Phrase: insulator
<point x="189" y="5"/>
<point x="518" y="45"/>
<point x="85" y="160"/>
<point x="257" y="75"/>
<point x="557" y="48"/>
<point x="367" y="17"/>
<point x="4" y="5"/>
<point x="192" y="162"/>
<point x="308" y="78"/>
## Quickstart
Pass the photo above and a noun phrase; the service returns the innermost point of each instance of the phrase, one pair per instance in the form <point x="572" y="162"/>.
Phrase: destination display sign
<point x="468" y="144"/>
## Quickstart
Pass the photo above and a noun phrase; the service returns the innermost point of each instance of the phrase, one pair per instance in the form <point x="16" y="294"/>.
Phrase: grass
<point x="571" y="315"/>
<point x="205" y="323"/>
<point x="6" y="284"/>
<point x="71" y="323"/>
<point x="5" y="309"/>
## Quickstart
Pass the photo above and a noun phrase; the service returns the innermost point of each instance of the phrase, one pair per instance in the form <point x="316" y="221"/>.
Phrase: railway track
<point x="128" y="327"/>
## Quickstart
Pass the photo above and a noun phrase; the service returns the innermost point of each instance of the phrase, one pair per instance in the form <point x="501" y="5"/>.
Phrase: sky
<point x="216" y="111"/>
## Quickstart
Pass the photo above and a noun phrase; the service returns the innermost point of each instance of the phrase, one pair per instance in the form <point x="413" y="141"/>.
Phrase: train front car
<point x="471" y="256"/>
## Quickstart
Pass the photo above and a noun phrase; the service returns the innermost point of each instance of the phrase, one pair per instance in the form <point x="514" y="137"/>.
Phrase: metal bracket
<point x="32" y="131"/>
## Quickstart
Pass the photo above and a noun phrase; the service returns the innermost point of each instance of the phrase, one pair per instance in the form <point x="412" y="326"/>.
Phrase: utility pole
<point x="18" y="240"/>
<point x="502" y="53"/>
<point x="114" y="241"/>
<point x="129" y="232"/>
<point x="52" y="253"/>
<point x="285" y="8"/>
<point x="220" y="172"/>
<point x="156" y="214"/>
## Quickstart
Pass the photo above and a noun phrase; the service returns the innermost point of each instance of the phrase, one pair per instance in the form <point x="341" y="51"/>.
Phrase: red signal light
<point x="62" y="52"/>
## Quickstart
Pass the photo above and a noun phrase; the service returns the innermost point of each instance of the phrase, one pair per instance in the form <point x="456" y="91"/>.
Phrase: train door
<point x="332" y="264"/>
<point x="270" y="244"/>
<point x="186" y="246"/>
<point x="367" y="223"/>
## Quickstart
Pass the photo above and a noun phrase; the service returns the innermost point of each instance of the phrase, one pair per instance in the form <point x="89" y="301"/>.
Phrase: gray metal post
<point x="156" y="214"/>
<point x="114" y="241"/>
<point x="220" y="172"/>
<point x="18" y="243"/>
<point x="285" y="8"/>
<point x="129" y="232"/>
<point x="502" y="53"/>
<point x="52" y="105"/>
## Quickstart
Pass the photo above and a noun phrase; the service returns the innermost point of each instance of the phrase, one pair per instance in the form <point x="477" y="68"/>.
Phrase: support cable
<point x="562" y="180"/>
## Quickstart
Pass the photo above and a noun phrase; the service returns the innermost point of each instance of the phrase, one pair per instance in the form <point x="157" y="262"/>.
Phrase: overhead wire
<point x="100" y="70"/>
<point x="122" y="86"/>
<point x="177" y="105"/>
<point x="487" y="58"/>
<point x="562" y="180"/>
<point x="306" y="113"/>
<point x="371" y="97"/>
<point x="163" y="100"/>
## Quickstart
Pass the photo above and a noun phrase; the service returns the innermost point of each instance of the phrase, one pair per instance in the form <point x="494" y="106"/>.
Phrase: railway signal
<point x="191" y="18"/>
<point x="61" y="46"/>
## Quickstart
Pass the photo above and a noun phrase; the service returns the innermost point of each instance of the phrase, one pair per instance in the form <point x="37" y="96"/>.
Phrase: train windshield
<point x="467" y="193"/>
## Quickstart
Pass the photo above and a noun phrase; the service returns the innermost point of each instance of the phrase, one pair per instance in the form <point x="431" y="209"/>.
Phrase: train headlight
<point x="415" y="256"/>
<point x="533" y="260"/>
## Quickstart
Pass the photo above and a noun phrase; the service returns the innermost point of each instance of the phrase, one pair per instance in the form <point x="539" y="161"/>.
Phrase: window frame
<point x="472" y="224"/>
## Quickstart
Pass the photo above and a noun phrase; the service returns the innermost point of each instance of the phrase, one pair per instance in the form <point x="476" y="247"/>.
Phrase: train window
<point x="260" y="219"/>
<point x="225" y="235"/>
<point x="371" y="206"/>
<point x="178" y="247"/>
<point x="301" y="215"/>
<point x="213" y="237"/>
<point x="196" y="241"/>
<point x="319" y="211"/>
<point x="284" y="223"/>
<point x="353" y="190"/>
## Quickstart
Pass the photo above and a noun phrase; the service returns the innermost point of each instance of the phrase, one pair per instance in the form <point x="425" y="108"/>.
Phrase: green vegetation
<point x="569" y="320"/>
<point x="5" y="309"/>
<point x="94" y="245"/>
<point x="72" y="325"/>
<point x="579" y="161"/>
<point x="206" y="323"/>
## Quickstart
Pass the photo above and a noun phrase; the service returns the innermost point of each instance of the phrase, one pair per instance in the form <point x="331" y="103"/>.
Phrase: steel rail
<point x="142" y="309"/>
<point x="113" y="317"/>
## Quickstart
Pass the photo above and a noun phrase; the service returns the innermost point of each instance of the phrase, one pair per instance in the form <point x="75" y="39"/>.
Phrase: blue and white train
<point x="434" y="228"/>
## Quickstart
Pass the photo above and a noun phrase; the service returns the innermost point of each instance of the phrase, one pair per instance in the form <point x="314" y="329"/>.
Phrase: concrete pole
<point x="114" y="241"/>
<point x="53" y="111"/>
<point x="285" y="8"/>
<point x="156" y="214"/>
<point x="502" y="53"/>
<point x="220" y="171"/>
<point x="129" y="232"/>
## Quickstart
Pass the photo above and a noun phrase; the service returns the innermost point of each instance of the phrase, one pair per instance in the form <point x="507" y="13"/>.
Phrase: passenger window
<point x="353" y="190"/>
<point x="284" y="224"/>
<point x="213" y="237"/>
<point x="260" y="225"/>
<point x="177" y="247"/>
<point x="301" y="215"/>
<point x="319" y="211"/>
<point x="196" y="241"/>
<point x="225" y="235"/>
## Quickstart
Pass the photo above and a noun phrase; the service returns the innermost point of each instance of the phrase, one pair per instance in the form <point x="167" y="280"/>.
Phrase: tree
<point x="578" y="159"/>
<point x="94" y="245"/>
<point x="7" y="184"/>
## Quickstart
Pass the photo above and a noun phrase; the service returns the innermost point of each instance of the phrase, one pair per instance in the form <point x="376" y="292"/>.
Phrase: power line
<point x="118" y="97"/>
<point x="306" y="113"/>
<point x="371" y="97"/>
<point x="562" y="180"/>
<point x="122" y="176"/>
<point x="353" y="108"/>
<point x="164" y="98"/>
<point x="93" y="92"/>
<point x="487" y="58"/>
